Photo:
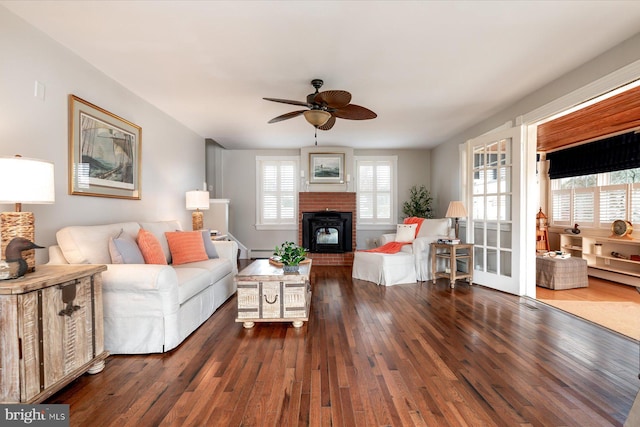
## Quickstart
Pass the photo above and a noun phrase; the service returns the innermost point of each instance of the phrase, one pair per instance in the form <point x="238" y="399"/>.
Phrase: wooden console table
<point x="51" y="330"/>
<point x="267" y="294"/>
<point x="452" y="253"/>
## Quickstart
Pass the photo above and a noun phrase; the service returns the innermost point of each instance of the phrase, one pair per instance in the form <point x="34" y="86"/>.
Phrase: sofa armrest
<point x="228" y="249"/>
<point x="422" y="245"/>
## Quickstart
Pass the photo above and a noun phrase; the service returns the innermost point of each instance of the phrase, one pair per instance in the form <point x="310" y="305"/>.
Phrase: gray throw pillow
<point x="209" y="247"/>
<point x="124" y="250"/>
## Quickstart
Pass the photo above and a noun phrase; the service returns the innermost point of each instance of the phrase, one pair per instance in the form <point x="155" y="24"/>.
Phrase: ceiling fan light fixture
<point x="317" y="117"/>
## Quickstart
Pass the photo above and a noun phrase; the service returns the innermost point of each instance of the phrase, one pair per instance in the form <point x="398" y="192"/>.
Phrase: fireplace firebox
<point x="327" y="231"/>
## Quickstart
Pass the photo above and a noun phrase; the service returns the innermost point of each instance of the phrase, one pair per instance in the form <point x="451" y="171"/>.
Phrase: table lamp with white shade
<point x="456" y="210"/>
<point x="197" y="201"/>
<point x="23" y="181"/>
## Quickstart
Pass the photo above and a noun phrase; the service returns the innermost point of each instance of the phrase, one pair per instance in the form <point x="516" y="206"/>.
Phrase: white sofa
<point x="149" y="308"/>
<point x="411" y="264"/>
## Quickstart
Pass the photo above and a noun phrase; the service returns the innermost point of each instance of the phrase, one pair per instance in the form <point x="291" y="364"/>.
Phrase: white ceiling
<point x="429" y="69"/>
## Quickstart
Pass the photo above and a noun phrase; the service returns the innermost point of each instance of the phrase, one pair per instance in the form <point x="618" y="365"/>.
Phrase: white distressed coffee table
<point x="267" y="294"/>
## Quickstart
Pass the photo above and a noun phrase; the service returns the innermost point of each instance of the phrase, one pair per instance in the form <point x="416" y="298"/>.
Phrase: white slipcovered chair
<point x="411" y="264"/>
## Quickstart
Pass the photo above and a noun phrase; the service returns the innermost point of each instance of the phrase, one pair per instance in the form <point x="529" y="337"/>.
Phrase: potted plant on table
<point x="290" y="255"/>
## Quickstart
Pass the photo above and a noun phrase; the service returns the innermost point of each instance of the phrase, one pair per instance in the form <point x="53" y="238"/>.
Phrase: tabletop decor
<point x="290" y="255"/>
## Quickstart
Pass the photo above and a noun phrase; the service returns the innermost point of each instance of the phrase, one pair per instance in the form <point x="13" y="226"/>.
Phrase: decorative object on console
<point x="104" y="152"/>
<point x="621" y="229"/>
<point x="290" y="255"/>
<point x="15" y="266"/>
<point x="419" y="203"/>
<point x="456" y="210"/>
<point x="574" y="230"/>
<point x="542" y="233"/>
<point x="197" y="200"/>
<point x="29" y="181"/>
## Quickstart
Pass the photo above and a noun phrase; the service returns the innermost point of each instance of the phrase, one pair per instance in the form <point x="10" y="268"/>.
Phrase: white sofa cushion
<point x="90" y="244"/>
<point x="191" y="281"/>
<point x="217" y="267"/>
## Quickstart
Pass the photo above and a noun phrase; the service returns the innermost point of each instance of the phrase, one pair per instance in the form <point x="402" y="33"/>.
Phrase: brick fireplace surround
<point x="333" y="201"/>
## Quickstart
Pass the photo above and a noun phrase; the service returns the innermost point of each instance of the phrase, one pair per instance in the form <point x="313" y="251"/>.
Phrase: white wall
<point x="172" y="155"/>
<point x="239" y="182"/>
<point x="445" y="159"/>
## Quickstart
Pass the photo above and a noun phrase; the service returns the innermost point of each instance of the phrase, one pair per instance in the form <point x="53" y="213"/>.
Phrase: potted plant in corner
<point x="290" y="255"/>
<point x="419" y="203"/>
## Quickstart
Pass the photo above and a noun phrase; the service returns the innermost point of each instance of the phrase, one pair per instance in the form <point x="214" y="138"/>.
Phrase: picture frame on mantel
<point x="326" y="168"/>
<point x="104" y="152"/>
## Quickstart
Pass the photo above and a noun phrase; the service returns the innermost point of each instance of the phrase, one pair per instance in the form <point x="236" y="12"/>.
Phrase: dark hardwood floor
<point x="420" y="354"/>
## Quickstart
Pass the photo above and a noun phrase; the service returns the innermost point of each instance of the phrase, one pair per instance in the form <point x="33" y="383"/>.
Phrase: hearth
<point x="327" y="231"/>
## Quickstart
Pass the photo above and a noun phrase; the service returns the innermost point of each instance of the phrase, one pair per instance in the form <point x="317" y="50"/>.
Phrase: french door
<point x="493" y="194"/>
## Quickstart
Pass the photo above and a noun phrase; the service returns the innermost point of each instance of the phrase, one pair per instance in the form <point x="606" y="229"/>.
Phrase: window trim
<point x="296" y="190"/>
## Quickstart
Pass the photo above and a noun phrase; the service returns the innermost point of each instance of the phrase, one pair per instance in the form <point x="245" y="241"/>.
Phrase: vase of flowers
<point x="290" y="255"/>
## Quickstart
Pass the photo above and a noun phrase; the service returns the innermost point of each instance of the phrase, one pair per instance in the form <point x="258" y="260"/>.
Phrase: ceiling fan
<point x="325" y="107"/>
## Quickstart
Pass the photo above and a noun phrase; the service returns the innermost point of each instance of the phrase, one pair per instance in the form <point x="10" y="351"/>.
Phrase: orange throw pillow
<point x="186" y="246"/>
<point x="150" y="248"/>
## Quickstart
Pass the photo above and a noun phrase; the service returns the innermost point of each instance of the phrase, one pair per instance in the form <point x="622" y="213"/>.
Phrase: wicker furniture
<point x="51" y="330"/>
<point x="267" y="294"/>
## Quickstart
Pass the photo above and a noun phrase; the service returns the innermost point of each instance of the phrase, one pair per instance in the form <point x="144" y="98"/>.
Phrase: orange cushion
<point x="150" y="248"/>
<point x="186" y="246"/>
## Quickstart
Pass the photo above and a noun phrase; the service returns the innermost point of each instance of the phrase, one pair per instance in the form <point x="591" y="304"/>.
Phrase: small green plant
<point x="290" y="254"/>
<point x="419" y="203"/>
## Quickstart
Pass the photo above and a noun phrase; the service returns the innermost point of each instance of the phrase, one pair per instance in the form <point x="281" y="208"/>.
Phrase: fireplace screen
<point x="327" y="236"/>
<point x="327" y="231"/>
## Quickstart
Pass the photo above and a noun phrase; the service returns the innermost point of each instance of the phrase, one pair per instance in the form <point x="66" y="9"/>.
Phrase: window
<point x="277" y="193"/>
<point x="376" y="190"/>
<point x="596" y="200"/>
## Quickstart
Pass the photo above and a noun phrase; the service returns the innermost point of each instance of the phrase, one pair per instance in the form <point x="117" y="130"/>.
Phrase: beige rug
<point x="620" y="316"/>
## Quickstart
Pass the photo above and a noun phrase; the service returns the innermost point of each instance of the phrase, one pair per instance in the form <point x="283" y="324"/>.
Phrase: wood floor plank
<point x="417" y="354"/>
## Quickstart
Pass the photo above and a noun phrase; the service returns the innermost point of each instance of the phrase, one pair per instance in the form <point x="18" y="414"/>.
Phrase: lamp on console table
<point x="196" y="201"/>
<point x="28" y="181"/>
<point x="456" y="210"/>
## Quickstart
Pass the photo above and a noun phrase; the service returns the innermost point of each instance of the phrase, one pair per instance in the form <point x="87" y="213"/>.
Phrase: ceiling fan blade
<point x="333" y="98"/>
<point x="290" y="115"/>
<point x="354" y="112"/>
<point x="329" y="124"/>
<point x="288" y="101"/>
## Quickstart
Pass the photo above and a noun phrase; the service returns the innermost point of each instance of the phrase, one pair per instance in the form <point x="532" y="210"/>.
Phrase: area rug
<point x="619" y="316"/>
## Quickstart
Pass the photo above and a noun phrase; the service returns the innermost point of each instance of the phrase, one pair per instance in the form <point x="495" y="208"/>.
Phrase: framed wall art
<point x="326" y="168"/>
<point x="104" y="152"/>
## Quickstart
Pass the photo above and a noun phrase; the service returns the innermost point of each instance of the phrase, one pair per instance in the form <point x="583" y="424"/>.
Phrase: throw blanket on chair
<point x="395" y="247"/>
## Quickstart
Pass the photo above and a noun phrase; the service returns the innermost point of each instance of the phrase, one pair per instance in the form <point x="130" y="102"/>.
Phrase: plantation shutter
<point x="561" y="207"/>
<point x="375" y="190"/>
<point x="613" y="204"/>
<point x="583" y="203"/>
<point x="277" y="191"/>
